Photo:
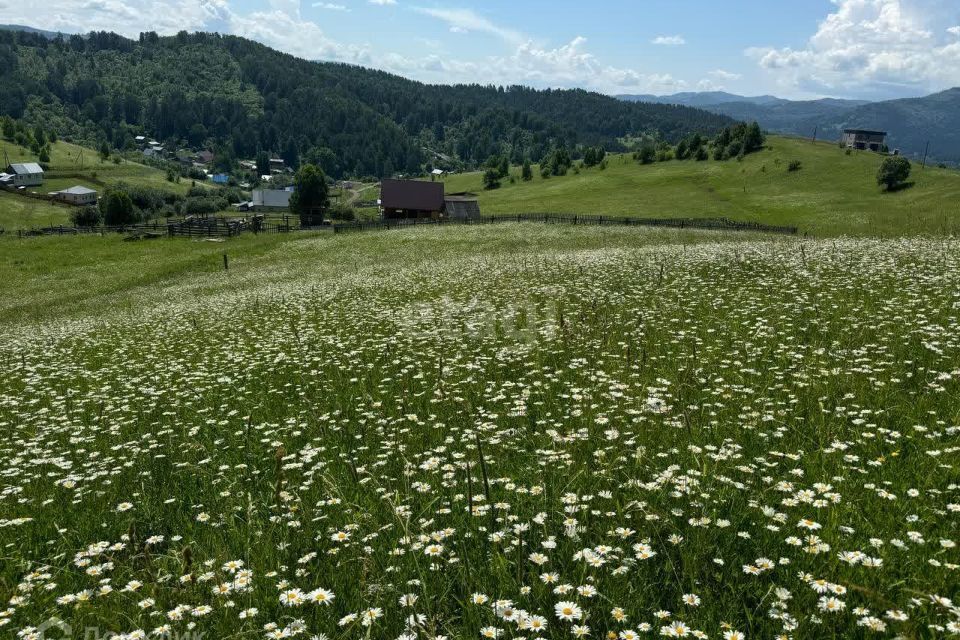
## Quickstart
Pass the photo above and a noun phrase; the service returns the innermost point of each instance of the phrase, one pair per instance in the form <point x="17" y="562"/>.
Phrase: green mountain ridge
<point x="910" y="122"/>
<point x="239" y="97"/>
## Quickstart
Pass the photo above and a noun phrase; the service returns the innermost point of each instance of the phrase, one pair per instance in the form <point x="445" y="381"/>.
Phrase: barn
<point x="411" y="199"/>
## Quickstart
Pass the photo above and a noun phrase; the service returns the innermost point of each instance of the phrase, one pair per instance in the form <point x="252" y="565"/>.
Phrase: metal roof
<point x="26" y="168"/>
<point x="415" y="195"/>
<point x="78" y="191"/>
<point x="867" y="132"/>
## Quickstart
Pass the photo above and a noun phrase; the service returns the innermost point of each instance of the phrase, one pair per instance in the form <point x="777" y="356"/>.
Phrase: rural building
<point x="270" y="199"/>
<point x="27" y="174"/>
<point x="153" y="151"/>
<point x="863" y="139"/>
<point x="406" y="199"/>
<point x="77" y="195"/>
<point x="204" y="157"/>
<point x="220" y="178"/>
<point x="277" y="165"/>
<point x="462" y="207"/>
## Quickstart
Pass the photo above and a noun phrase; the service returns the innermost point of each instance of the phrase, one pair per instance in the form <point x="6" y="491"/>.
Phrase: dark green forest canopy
<point x="238" y="96"/>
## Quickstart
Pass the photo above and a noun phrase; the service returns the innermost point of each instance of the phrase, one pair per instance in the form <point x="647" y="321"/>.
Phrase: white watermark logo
<point x="56" y="629"/>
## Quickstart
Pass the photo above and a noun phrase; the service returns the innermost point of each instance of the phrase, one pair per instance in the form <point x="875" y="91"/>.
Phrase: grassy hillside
<point x="71" y="165"/>
<point x="68" y="168"/>
<point x="833" y="194"/>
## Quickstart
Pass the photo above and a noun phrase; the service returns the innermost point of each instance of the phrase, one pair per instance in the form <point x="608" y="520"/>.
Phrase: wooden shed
<point x="411" y="199"/>
<point x="462" y="207"/>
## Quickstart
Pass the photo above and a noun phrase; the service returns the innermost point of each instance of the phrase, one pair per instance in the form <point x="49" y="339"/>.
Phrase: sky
<point x="801" y="49"/>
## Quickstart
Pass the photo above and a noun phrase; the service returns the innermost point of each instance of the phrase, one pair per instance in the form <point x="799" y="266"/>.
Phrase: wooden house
<point x="411" y="199"/>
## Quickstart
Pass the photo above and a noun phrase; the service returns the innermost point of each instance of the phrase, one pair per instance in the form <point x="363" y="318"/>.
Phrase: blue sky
<point x="796" y="49"/>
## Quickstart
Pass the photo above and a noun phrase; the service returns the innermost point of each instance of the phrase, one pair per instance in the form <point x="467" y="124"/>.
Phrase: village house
<point x="410" y="199"/>
<point x="277" y="165"/>
<point x="78" y="195"/>
<point x="418" y="199"/>
<point x="864" y="139"/>
<point x="267" y="199"/>
<point x="27" y="174"/>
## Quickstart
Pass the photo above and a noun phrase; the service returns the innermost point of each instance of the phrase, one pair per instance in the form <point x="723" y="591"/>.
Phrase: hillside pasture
<point x="832" y="194"/>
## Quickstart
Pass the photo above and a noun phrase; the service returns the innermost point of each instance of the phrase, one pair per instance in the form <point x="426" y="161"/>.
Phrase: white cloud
<point x="566" y="66"/>
<point x="879" y="48"/>
<point x="954" y="30"/>
<point x="383" y="3"/>
<point x="670" y="41"/>
<point x="467" y="20"/>
<point x="725" y="75"/>
<point x="330" y="6"/>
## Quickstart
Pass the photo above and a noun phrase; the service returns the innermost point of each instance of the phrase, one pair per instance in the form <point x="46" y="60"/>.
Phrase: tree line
<point x="240" y="99"/>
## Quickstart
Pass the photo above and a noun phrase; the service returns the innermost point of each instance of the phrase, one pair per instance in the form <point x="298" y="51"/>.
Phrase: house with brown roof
<point x="411" y="199"/>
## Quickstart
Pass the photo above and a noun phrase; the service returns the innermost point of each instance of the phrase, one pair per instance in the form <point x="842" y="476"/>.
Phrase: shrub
<point x="86" y="217"/>
<point x="342" y="211"/>
<point x="491" y="179"/>
<point x="894" y="172"/>
<point x="646" y="155"/>
<point x="795" y="165"/>
<point x="117" y="208"/>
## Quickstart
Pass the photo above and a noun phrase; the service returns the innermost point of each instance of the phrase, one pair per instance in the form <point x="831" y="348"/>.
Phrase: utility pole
<point x="815" y="130"/>
<point x="926" y="151"/>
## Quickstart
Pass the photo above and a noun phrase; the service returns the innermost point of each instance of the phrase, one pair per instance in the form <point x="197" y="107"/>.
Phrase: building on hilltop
<point x="864" y="139"/>
<point x="26" y="174"/>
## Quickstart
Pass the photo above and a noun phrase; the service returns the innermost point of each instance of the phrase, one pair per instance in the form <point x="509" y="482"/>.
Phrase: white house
<point x="271" y="199"/>
<point x="77" y="195"/>
<point x="27" y="174"/>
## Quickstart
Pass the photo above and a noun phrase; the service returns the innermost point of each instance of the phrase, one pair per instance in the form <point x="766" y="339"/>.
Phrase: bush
<point x="491" y="179"/>
<point x="86" y="217"/>
<point x="646" y="155"/>
<point x="342" y="211"/>
<point x="117" y="208"/>
<point x="894" y="172"/>
<point x="795" y="165"/>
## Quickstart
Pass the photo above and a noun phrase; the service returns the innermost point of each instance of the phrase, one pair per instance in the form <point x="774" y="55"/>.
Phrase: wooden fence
<point x="719" y="224"/>
<point x="229" y="227"/>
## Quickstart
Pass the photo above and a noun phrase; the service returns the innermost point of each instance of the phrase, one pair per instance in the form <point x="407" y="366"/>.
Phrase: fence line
<point x="723" y="224"/>
<point x="226" y="227"/>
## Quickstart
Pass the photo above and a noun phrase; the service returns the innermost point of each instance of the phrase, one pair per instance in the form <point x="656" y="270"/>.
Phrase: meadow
<point x="833" y="194"/>
<point x="514" y="431"/>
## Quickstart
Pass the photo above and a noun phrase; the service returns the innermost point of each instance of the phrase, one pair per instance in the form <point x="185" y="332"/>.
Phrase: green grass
<point x="660" y="427"/>
<point x="20" y="212"/>
<point x="834" y="194"/>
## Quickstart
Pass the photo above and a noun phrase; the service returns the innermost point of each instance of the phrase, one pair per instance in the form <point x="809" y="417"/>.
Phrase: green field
<point x="506" y="431"/>
<point x="19" y="212"/>
<point x="833" y="194"/>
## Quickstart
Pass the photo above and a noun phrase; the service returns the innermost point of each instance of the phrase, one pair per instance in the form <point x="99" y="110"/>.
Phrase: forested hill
<point x="238" y="96"/>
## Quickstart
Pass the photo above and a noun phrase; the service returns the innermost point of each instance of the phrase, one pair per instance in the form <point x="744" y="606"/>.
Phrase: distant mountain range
<point x="910" y="122"/>
<point x="17" y="27"/>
